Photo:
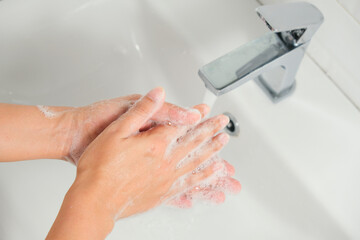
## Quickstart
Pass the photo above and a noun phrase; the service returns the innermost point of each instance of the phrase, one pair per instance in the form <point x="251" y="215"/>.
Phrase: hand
<point x="217" y="180"/>
<point x="89" y="121"/>
<point x="122" y="173"/>
<point x="151" y="165"/>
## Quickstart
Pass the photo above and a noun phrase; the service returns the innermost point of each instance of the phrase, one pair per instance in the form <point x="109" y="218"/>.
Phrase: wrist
<point x="82" y="215"/>
<point x="63" y="127"/>
<point x="92" y="198"/>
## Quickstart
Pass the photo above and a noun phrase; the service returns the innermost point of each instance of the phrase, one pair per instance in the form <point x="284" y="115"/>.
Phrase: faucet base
<point x="273" y="95"/>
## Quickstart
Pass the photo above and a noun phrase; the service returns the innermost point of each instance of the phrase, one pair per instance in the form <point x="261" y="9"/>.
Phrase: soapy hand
<point x="142" y="168"/>
<point x="212" y="188"/>
<point x="89" y="121"/>
<point x="125" y="171"/>
<point x="216" y="177"/>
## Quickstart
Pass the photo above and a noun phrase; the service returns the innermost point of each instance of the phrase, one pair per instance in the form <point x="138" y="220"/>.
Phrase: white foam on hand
<point x="46" y="111"/>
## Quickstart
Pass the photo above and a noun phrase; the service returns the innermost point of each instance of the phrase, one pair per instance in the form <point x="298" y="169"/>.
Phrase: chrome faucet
<point x="271" y="60"/>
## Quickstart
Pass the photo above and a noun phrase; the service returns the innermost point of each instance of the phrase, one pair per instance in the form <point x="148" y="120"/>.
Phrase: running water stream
<point x="209" y="98"/>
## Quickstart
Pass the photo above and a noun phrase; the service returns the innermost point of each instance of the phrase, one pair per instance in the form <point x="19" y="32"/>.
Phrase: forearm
<point x="83" y="215"/>
<point x="27" y="133"/>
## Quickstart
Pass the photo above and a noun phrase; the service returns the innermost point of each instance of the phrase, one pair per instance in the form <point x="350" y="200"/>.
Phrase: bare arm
<point x="25" y="133"/>
<point x="35" y="132"/>
<point x="95" y="137"/>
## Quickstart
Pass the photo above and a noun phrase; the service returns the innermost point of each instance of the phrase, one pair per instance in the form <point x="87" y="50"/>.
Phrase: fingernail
<point x="196" y="112"/>
<point x="206" y="110"/>
<point x="157" y="94"/>
<point x="224" y="138"/>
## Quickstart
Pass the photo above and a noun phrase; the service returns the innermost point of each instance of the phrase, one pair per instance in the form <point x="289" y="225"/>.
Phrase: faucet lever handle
<point x="297" y="22"/>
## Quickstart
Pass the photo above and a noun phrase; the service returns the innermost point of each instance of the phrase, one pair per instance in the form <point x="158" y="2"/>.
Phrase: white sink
<point x="298" y="161"/>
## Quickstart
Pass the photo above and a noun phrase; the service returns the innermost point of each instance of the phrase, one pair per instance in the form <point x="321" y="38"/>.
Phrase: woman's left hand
<point x="89" y="121"/>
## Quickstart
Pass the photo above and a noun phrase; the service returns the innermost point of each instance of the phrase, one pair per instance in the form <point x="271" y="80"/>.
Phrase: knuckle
<point x="217" y="145"/>
<point x="145" y="106"/>
<point x="213" y="126"/>
<point x="207" y="173"/>
<point x="136" y="96"/>
<point x="200" y="135"/>
<point x="142" y="111"/>
<point x="149" y="100"/>
<point x="158" y="147"/>
<point x="199" y="139"/>
<point x="189" y="181"/>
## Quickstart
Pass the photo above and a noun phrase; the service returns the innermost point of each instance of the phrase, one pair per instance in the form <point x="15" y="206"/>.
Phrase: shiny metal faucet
<point x="271" y="60"/>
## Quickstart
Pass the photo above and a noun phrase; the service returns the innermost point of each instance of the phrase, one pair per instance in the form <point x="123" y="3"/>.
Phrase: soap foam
<point x="184" y="114"/>
<point x="77" y="146"/>
<point x="190" y="133"/>
<point x="199" y="150"/>
<point x="208" y="189"/>
<point x="46" y="111"/>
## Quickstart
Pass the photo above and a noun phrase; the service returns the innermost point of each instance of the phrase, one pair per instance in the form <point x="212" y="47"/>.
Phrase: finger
<point x="131" y="121"/>
<point x="197" y="136"/>
<point x="230" y="170"/>
<point x="119" y="101"/>
<point x="210" y="185"/>
<point x="177" y="115"/>
<point x="228" y="185"/>
<point x="213" y="166"/>
<point x="181" y="117"/>
<point x="213" y="191"/>
<point x="196" y="177"/>
<point x="132" y="97"/>
<point x="195" y="158"/>
<point x="186" y="200"/>
<point x="225" y="184"/>
<point x="208" y="171"/>
<point x="196" y="194"/>
<point x="215" y="197"/>
<point x="180" y="201"/>
<point x="203" y="109"/>
<point x="170" y="132"/>
<point x="210" y="195"/>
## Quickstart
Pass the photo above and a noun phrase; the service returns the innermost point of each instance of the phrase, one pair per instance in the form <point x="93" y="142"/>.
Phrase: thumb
<point x="131" y="121"/>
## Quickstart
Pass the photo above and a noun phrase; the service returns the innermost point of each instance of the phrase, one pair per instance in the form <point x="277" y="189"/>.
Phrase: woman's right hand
<point x="121" y="174"/>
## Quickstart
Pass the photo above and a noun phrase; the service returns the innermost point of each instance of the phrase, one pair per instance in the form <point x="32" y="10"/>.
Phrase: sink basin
<point x="297" y="160"/>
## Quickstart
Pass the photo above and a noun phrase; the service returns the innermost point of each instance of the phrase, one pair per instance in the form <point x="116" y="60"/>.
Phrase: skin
<point x="121" y="149"/>
<point x="53" y="137"/>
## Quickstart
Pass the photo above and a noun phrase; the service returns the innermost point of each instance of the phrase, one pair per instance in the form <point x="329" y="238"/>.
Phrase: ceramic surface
<point x="298" y="160"/>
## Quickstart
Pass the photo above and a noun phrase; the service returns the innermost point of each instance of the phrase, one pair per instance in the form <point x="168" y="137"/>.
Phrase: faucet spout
<point x="271" y="60"/>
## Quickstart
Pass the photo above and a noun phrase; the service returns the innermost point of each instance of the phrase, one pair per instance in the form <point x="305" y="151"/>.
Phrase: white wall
<point x="352" y="7"/>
